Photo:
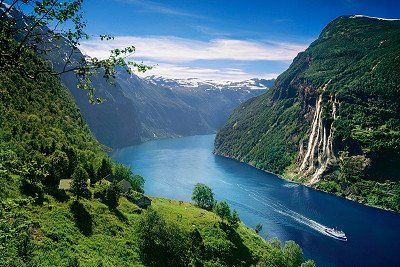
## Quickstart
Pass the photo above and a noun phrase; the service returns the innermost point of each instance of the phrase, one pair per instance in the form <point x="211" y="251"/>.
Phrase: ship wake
<point x="282" y="210"/>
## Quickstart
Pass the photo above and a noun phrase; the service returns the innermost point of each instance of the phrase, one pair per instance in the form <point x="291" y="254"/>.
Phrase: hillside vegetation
<point x="44" y="140"/>
<point x="332" y="120"/>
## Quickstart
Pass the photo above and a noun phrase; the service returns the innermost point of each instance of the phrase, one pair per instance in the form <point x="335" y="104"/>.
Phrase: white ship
<point x="336" y="234"/>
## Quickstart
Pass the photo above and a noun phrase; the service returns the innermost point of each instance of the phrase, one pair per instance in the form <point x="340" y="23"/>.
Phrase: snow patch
<point x="364" y="16"/>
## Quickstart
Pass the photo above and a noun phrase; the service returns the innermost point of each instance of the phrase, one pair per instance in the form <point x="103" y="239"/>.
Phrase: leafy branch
<point x="47" y="27"/>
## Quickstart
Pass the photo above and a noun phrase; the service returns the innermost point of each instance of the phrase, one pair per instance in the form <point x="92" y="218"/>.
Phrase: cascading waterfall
<point x="320" y="143"/>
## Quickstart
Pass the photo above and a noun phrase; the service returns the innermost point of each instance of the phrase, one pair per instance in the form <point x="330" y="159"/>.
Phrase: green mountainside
<point x="45" y="221"/>
<point x="332" y="120"/>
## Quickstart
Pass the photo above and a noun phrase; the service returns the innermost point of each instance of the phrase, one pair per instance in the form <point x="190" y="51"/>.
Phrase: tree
<point x="122" y="172"/>
<point x="161" y="243"/>
<point x="234" y="219"/>
<point x="57" y="167"/>
<point x="79" y="182"/>
<point x="105" y="170"/>
<point x="308" y="263"/>
<point x="111" y="197"/>
<point x="72" y="159"/>
<point x="33" y="174"/>
<point x="222" y="210"/>
<point x="203" y="196"/>
<point x="46" y="26"/>
<point x="91" y="173"/>
<point x="137" y="183"/>
<point x="293" y="254"/>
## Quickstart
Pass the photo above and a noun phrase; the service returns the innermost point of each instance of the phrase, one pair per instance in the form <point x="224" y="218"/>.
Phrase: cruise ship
<point x="336" y="234"/>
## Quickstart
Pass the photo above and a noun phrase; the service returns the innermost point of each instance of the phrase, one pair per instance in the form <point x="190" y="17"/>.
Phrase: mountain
<point x="332" y="120"/>
<point x="137" y="110"/>
<point x="44" y="222"/>
<point x="43" y="138"/>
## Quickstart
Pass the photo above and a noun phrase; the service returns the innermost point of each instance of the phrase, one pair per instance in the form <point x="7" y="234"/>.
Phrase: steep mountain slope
<point x="136" y="110"/>
<point x="44" y="138"/>
<point x="332" y="120"/>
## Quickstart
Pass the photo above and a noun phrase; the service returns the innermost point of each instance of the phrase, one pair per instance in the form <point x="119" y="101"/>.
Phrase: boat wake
<point x="281" y="209"/>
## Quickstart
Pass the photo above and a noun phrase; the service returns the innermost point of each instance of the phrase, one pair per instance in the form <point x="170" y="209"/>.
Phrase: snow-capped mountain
<point x="251" y="84"/>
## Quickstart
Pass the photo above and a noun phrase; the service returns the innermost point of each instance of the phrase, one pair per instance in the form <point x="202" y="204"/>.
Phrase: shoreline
<point x="308" y="186"/>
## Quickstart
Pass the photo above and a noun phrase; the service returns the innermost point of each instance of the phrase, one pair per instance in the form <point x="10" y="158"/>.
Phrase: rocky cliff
<point x="332" y="120"/>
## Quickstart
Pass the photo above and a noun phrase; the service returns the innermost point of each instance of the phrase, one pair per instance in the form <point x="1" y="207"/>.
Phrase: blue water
<point x="287" y="211"/>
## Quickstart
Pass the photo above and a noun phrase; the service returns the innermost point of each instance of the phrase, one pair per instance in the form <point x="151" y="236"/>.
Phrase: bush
<point x="100" y="189"/>
<point x="222" y="210"/>
<point x="33" y="174"/>
<point x="162" y="244"/>
<point x="203" y="196"/>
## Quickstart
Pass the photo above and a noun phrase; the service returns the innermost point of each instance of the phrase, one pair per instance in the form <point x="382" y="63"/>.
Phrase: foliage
<point x="79" y="183"/>
<point x="23" y="36"/>
<point x="105" y="171"/>
<point x="58" y="163"/>
<point x="122" y="172"/>
<point x="89" y="168"/>
<point x="234" y="218"/>
<point x="161" y="243"/>
<point x="223" y="210"/>
<point x="203" y="196"/>
<point x="292" y="256"/>
<point x="359" y="59"/>
<point x="16" y="242"/>
<point x="111" y="196"/>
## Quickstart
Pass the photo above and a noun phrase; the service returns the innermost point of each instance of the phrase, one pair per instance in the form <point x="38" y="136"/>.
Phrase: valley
<point x="169" y="141"/>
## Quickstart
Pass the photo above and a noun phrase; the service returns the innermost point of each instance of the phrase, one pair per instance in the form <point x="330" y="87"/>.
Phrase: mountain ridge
<point x="331" y="120"/>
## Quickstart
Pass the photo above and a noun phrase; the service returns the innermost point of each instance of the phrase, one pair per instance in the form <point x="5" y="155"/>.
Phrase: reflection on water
<point x="287" y="211"/>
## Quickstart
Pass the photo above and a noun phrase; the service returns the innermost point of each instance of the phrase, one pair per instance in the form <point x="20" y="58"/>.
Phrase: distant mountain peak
<point x="369" y="17"/>
<point x="250" y="84"/>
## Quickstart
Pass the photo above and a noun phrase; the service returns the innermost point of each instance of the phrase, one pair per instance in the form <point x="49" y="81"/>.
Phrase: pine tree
<point x="79" y="182"/>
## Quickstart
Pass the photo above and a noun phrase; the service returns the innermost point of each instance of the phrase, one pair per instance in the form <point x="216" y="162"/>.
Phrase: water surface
<point x="288" y="211"/>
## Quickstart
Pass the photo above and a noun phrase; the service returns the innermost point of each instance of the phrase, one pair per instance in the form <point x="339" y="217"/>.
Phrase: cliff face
<point x="332" y="120"/>
<point x="318" y="153"/>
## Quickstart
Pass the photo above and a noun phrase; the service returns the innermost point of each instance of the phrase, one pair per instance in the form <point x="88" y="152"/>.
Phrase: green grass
<point x="98" y="236"/>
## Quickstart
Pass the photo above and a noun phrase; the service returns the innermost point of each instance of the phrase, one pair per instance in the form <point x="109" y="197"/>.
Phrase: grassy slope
<point x="103" y="236"/>
<point x="361" y="57"/>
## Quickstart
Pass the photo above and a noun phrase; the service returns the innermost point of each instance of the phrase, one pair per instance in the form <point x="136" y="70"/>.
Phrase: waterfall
<point x="320" y="142"/>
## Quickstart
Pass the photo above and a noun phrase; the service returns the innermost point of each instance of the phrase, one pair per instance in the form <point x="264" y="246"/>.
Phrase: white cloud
<point x="173" y="49"/>
<point x="217" y="75"/>
<point x="175" y="57"/>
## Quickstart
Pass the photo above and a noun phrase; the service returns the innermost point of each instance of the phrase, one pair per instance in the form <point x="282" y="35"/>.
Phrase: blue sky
<point x="218" y="40"/>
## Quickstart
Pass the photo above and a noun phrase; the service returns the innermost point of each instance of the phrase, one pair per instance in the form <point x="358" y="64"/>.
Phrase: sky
<point x="219" y="40"/>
